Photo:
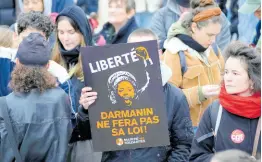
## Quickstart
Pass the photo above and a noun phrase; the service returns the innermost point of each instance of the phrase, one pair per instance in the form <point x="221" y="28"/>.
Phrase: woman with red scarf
<point x="233" y="121"/>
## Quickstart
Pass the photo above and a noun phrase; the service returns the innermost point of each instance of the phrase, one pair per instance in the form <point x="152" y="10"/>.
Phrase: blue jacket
<point x="41" y="124"/>
<point x="7" y="12"/>
<point x="166" y="16"/>
<point x="82" y="129"/>
<point x="180" y="132"/>
<point x="108" y="32"/>
<point x="7" y="57"/>
<point x="205" y="144"/>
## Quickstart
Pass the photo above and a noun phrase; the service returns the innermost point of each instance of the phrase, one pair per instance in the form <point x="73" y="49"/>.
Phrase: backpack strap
<point x="9" y="128"/>
<point x="215" y="48"/>
<point x="254" y="152"/>
<point x="183" y="64"/>
<point x="216" y="114"/>
<point x="182" y="58"/>
<point x="219" y="115"/>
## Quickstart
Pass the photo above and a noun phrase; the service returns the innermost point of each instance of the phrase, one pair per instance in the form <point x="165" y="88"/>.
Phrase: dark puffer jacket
<point x="231" y="128"/>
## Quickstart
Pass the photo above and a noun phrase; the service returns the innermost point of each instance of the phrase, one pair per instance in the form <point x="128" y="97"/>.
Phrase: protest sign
<point x="129" y="112"/>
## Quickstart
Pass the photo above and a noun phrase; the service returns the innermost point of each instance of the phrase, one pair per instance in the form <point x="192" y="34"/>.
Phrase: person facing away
<point x="195" y="62"/>
<point x="179" y="123"/>
<point x="232" y="121"/>
<point x="39" y="111"/>
<point x="32" y="22"/>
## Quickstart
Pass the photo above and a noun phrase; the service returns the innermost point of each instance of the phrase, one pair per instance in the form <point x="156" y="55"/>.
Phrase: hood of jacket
<point x="80" y="18"/>
<point x="172" y="40"/>
<point x="175" y="29"/>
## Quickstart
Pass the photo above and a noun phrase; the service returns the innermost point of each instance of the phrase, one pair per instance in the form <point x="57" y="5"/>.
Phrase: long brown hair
<point x="26" y="78"/>
<point x="57" y="57"/>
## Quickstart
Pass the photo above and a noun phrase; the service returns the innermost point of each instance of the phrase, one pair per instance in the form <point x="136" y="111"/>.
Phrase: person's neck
<point x="119" y="26"/>
<point x="247" y="93"/>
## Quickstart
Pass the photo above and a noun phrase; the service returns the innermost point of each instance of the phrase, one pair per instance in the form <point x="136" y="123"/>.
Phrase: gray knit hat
<point x="34" y="50"/>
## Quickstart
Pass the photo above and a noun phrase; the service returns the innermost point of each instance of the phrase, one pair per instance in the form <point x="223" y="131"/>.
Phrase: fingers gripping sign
<point x="88" y="97"/>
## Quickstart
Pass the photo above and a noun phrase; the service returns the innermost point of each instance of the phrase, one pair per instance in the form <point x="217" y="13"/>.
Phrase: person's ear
<point x="47" y="65"/>
<point x="17" y="62"/>
<point x="194" y="27"/>
<point x="251" y="85"/>
<point x="131" y="13"/>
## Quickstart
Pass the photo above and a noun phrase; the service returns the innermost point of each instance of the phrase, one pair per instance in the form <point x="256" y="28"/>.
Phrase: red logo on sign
<point x="237" y="136"/>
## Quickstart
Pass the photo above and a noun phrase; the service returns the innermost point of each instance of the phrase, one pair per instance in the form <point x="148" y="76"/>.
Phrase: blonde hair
<point x="77" y="70"/>
<point x="6" y="37"/>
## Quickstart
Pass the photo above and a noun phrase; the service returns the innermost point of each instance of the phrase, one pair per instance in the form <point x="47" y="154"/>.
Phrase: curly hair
<point x="26" y="78"/>
<point x="251" y="57"/>
<point x="35" y="20"/>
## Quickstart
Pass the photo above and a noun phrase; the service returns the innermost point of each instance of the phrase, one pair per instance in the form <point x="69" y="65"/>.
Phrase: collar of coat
<point x="174" y="45"/>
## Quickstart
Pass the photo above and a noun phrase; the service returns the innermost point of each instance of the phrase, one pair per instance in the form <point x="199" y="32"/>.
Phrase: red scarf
<point x="248" y="107"/>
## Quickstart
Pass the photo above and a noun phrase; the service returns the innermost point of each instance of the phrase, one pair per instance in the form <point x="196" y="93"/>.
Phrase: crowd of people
<point x="211" y="84"/>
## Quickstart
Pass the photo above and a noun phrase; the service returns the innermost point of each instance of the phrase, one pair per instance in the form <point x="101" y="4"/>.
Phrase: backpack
<point x="183" y="58"/>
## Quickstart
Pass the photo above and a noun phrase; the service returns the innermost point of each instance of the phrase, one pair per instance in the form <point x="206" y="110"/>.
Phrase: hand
<point x="210" y="90"/>
<point x="88" y="97"/>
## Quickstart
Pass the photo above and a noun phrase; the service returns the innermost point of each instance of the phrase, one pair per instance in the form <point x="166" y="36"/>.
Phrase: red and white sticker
<point x="237" y="136"/>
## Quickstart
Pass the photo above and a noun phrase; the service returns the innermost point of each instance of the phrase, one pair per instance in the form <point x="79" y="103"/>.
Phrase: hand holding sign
<point x="87" y="97"/>
<point x="129" y="113"/>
